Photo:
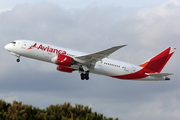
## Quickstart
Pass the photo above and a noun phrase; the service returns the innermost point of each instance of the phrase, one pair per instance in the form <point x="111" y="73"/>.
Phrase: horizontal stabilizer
<point x="158" y="74"/>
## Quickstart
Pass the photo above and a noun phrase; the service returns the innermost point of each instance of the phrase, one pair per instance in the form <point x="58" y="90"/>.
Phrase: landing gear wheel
<point x="18" y="60"/>
<point x="87" y="76"/>
<point x="84" y="76"/>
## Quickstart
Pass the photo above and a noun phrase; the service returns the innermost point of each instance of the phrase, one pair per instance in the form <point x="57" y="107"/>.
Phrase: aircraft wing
<point x="158" y="74"/>
<point x="93" y="58"/>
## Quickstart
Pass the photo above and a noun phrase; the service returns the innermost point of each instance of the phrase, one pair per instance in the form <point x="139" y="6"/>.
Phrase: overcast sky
<point x="148" y="27"/>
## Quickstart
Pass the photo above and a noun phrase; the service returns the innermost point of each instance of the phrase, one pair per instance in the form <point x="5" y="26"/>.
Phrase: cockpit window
<point x="13" y="42"/>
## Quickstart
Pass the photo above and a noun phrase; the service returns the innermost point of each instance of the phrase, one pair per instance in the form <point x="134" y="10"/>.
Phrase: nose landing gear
<point x="18" y="60"/>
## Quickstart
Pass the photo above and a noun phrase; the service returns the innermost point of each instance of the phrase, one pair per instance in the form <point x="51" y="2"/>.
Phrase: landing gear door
<point x="23" y="45"/>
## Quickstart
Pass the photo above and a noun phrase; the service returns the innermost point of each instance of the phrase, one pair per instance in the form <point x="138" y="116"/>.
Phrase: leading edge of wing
<point x="98" y="55"/>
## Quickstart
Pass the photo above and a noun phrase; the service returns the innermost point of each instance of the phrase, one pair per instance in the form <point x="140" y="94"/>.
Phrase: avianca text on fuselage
<point x="47" y="49"/>
<point x="97" y="63"/>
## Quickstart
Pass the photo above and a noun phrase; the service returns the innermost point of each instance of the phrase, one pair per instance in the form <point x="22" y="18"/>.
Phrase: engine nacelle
<point x="64" y="60"/>
<point x="64" y="69"/>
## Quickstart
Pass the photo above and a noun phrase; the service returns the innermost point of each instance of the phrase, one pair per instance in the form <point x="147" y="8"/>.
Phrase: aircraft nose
<point x="6" y="47"/>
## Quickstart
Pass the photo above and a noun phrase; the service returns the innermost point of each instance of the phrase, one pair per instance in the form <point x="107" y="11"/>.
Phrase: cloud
<point x="160" y="24"/>
<point x="147" y="31"/>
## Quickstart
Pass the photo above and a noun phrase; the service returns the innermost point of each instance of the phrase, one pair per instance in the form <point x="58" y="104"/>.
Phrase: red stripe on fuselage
<point x="155" y="65"/>
<point x="137" y="75"/>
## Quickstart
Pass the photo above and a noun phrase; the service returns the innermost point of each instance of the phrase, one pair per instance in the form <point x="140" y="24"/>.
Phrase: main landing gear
<point x="85" y="76"/>
<point x="84" y="70"/>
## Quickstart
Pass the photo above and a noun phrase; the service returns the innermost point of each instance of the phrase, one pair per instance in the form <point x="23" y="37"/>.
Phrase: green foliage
<point x="19" y="111"/>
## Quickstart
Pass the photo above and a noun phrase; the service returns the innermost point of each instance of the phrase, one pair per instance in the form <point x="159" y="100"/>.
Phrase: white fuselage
<point x="48" y="53"/>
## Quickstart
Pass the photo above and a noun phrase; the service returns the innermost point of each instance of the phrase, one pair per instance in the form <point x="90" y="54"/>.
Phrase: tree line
<point x="18" y="111"/>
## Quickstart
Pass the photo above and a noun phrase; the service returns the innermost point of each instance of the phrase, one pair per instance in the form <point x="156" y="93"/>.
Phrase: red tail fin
<point x="158" y="62"/>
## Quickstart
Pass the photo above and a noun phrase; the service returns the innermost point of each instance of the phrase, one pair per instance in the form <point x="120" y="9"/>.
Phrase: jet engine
<point x="64" y="69"/>
<point x="64" y="60"/>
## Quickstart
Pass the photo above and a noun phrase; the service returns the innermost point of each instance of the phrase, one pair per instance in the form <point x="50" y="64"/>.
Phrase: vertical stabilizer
<point x="158" y="62"/>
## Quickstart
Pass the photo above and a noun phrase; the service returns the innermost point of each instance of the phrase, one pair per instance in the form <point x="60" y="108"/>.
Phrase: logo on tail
<point x="157" y="63"/>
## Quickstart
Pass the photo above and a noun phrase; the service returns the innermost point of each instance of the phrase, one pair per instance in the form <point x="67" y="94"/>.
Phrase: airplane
<point x="68" y="60"/>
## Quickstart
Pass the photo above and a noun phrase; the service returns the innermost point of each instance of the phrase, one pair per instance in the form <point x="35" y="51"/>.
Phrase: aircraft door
<point x="23" y="45"/>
